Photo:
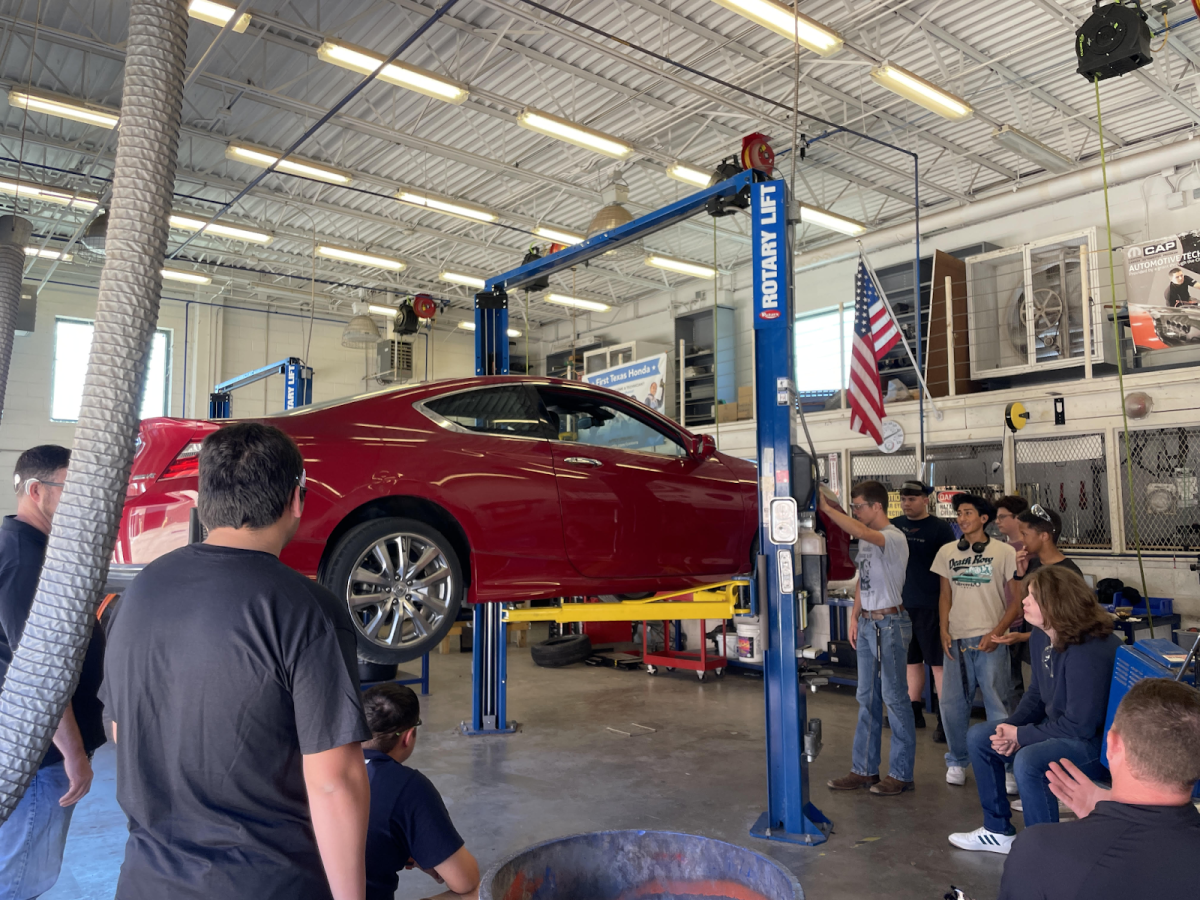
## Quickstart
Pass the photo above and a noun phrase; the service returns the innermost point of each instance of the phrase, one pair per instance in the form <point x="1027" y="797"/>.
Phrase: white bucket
<point x="749" y="634"/>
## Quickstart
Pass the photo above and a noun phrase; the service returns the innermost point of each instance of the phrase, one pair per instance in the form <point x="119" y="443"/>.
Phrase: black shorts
<point x="926" y="644"/>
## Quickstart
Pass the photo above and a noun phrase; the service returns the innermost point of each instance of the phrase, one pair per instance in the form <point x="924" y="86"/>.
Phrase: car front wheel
<point x="402" y="582"/>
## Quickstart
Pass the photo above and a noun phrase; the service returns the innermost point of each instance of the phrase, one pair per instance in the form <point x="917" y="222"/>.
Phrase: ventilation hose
<point x="14" y="236"/>
<point x="45" y="668"/>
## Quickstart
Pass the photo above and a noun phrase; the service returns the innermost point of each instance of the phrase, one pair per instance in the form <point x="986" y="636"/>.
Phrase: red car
<point x="480" y="489"/>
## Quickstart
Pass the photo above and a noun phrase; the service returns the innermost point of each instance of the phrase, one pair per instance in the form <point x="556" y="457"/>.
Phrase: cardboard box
<point x="745" y="410"/>
<point x="727" y="412"/>
<point x="746" y="394"/>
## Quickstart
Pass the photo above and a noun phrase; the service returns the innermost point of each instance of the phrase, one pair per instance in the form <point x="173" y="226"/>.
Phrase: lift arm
<point x="297" y="390"/>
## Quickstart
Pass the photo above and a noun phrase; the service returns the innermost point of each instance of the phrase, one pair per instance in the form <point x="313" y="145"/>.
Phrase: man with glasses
<point x="1007" y="510"/>
<point x="410" y="827"/>
<point x="233" y="688"/>
<point x="32" y="840"/>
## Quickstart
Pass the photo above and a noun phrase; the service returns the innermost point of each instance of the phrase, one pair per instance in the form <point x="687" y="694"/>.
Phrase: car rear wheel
<point x="402" y="582"/>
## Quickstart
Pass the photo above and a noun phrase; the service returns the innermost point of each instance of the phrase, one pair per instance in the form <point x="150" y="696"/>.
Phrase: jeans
<point x="32" y="840"/>
<point x="1029" y="766"/>
<point x="882" y="649"/>
<point x="987" y="671"/>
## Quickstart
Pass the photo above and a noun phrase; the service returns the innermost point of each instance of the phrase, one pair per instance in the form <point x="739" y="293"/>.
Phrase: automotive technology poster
<point x="1162" y="284"/>
<point x="644" y="380"/>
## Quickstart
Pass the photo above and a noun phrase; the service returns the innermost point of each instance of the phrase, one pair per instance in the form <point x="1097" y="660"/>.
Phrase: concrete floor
<point x="702" y="771"/>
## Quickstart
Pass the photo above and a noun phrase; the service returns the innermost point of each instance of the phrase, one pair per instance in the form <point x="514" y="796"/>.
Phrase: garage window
<point x="819" y="351"/>
<point x="73" y="343"/>
<point x="507" y="410"/>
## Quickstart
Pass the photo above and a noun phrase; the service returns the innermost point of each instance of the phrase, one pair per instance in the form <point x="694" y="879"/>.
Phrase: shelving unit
<point x="568" y="363"/>
<point x="701" y="389"/>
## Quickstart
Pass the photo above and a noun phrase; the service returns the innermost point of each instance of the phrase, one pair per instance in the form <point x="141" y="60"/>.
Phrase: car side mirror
<point x="702" y="446"/>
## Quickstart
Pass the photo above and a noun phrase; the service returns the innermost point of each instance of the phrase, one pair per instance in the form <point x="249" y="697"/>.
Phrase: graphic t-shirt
<point x="881" y="569"/>
<point x="976" y="585"/>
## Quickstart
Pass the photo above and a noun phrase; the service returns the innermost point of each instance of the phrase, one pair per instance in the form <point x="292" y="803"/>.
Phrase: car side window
<point x="509" y="409"/>
<point x="579" y="418"/>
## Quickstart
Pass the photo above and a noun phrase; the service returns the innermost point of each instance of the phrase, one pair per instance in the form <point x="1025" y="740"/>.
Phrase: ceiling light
<point x="793" y="26"/>
<point x="566" y="130"/>
<point x="361" y="330"/>
<point x="184" y="222"/>
<point x="47" y="194"/>
<point x="447" y="205"/>
<point x="47" y="253"/>
<point x="682" y="266"/>
<point x="689" y="174"/>
<point x="390" y="311"/>
<point x="183" y="275"/>
<point x="823" y="218"/>
<point x="558" y="235"/>
<point x="261" y="157"/>
<point x="217" y="14"/>
<point x="923" y="93"/>
<point x="357" y="59"/>
<point x="473" y="281"/>
<point x="470" y="326"/>
<point x="363" y="259"/>
<point x="1032" y="149"/>
<point x="576" y="302"/>
<point x="63" y="108"/>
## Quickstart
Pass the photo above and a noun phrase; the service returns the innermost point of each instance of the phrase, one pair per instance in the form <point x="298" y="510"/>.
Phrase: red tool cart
<point x="701" y="663"/>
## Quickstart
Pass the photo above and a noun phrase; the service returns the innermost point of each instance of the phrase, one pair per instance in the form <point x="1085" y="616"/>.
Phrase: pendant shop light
<point x="689" y="174"/>
<point x="576" y="302"/>
<point x="823" y="218"/>
<point x="923" y="93"/>
<point x="47" y="253"/>
<point x="186" y="276"/>
<point x="361" y="330"/>
<point x="345" y="254"/>
<point x="217" y="14"/>
<point x="558" y="235"/>
<point x="807" y="32"/>
<point x="414" y="78"/>
<point x="470" y="326"/>
<point x="447" y="205"/>
<point x="47" y="194"/>
<point x="63" y="108"/>
<point x="579" y="135"/>
<point x="262" y="157"/>
<point x="471" y="281"/>
<point x="1031" y="149"/>
<point x="682" y="266"/>
<point x="190" y="222"/>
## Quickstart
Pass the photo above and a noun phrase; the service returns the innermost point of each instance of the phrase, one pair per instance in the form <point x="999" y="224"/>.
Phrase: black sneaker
<point x="919" y="713"/>
<point x="939" y="735"/>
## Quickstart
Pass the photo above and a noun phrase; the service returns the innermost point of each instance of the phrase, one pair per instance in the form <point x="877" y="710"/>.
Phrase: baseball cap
<point x="915" y="487"/>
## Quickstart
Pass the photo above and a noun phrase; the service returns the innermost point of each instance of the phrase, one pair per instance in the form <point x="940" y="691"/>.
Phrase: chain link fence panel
<point x="974" y="468"/>
<point x="1069" y="476"/>
<point x="1165" y="462"/>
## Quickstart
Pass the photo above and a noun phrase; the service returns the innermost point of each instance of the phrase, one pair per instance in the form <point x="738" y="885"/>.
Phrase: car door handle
<point x="582" y="461"/>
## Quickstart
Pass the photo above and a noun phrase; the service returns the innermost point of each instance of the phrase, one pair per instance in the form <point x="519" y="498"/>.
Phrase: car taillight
<point x="186" y="463"/>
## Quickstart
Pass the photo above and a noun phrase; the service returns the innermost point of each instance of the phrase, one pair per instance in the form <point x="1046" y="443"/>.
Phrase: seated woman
<point x="409" y="825"/>
<point x="1061" y="715"/>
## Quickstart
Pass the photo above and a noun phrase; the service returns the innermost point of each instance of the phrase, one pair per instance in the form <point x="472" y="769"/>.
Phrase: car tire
<point x="561" y="651"/>
<point x="369" y="671"/>
<point x="416" y="608"/>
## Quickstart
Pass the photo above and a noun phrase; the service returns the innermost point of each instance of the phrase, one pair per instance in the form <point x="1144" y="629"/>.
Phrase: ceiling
<point x="681" y="79"/>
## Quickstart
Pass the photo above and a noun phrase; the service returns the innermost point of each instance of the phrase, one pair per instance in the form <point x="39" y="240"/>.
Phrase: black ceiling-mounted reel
<point x="1113" y="41"/>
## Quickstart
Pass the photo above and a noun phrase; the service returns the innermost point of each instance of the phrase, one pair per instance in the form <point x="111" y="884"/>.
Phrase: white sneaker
<point x="982" y="839"/>
<point x="1010" y="784"/>
<point x="956" y="775"/>
<point x="1064" y="811"/>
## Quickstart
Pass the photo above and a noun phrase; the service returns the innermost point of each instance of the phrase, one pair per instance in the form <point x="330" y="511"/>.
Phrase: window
<point x="502" y="410"/>
<point x="583" y="419"/>
<point x="73" y="343"/>
<point x="819" y="351"/>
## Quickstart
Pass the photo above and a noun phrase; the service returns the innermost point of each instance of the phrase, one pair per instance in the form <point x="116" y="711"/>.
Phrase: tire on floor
<point x="562" y="651"/>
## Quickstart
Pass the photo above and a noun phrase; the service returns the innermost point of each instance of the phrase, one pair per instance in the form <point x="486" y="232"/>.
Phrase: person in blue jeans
<point x="880" y="632"/>
<point x="1061" y="716"/>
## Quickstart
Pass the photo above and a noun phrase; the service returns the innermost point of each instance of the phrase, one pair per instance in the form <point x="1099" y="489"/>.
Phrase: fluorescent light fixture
<point x="682" y="266"/>
<point x="1032" y="149"/>
<point x="580" y="136"/>
<point x="188" y="222"/>
<point x="795" y="27"/>
<point x="217" y="14"/>
<point x="447" y="205"/>
<point x="47" y="194"/>
<point x="47" y="253"/>
<point x="923" y="93"/>
<point x="262" y="157"/>
<point x="558" y="235"/>
<point x="389" y="311"/>
<point x="576" y="302"/>
<point x="184" y="275"/>
<point x="472" y="281"/>
<point x="414" y="78"/>
<point x="63" y="108"/>
<point x="344" y="254"/>
<point x="689" y="174"/>
<point x="823" y="218"/>
<point x="470" y="326"/>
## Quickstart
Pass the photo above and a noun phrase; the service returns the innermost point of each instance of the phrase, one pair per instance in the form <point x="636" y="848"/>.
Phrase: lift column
<point x="789" y="816"/>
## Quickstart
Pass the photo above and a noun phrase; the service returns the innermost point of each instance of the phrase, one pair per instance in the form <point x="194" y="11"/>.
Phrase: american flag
<point x="874" y="335"/>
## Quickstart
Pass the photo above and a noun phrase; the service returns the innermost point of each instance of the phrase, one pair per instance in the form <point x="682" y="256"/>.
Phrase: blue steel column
<point x="789" y="816"/>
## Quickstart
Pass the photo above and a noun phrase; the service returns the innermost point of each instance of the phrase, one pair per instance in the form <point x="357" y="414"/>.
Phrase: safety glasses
<point x="1037" y="510"/>
<point x="302" y="481"/>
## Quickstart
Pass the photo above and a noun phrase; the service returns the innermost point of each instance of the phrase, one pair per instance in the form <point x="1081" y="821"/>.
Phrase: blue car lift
<point x="297" y="389"/>
<point x="789" y="816"/>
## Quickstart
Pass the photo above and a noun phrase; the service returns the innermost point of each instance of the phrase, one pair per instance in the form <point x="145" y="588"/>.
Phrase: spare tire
<point x="562" y="651"/>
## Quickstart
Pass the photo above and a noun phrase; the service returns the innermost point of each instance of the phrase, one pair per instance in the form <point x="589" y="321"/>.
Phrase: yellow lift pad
<point x="715" y="601"/>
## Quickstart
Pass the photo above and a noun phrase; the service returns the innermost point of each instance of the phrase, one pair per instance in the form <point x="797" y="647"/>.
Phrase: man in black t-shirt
<point x="1178" y="292"/>
<point x="1040" y="530"/>
<point x="926" y="535"/>
<point x="232" y="683"/>
<point x="1140" y="839"/>
<point x="33" y="837"/>
<point x="409" y="823"/>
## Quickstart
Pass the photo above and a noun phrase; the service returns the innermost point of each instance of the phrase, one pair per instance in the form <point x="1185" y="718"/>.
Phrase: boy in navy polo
<point x="409" y="824"/>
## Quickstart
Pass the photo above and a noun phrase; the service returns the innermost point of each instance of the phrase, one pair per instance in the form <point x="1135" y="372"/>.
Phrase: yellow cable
<point x="1112" y="285"/>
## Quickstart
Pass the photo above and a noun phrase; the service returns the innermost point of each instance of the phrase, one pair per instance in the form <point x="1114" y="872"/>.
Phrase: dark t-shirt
<point x="925" y="538"/>
<point x="1034" y="564"/>
<point x="1117" y="852"/>
<point x="408" y="819"/>
<point x="224" y="667"/>
<point x="22" y="552"/>
<point x="1178" y="294"/>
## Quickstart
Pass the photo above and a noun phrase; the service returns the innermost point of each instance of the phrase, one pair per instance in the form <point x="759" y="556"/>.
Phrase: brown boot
<point x="892" y="787"/>
<point x="853" y="782"/>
